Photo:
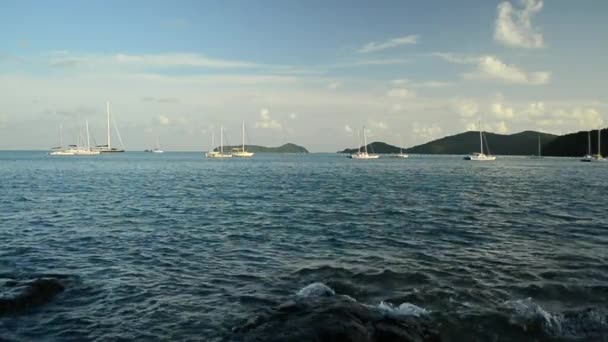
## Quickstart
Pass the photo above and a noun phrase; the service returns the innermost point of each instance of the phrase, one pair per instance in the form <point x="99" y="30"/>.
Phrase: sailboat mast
<point x="599" y="130"/>
<point x="480" y="137"/>
<point x="364" y="140"/>
<point x="589" y="141"/>
<point x="61" y="135"/>
<point x="88" y="137"/>
<point x="109" y="135"/>
<point x="243" y="150"/>
<point x="539" y="154"/>
<point x="212" y="141"/>
<point x="222" y="139"/>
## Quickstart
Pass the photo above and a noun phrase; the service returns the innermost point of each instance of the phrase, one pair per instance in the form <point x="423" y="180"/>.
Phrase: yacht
<point x="107" y="148"/>
<point x="594" y="157"/>
<point x="75" y="150"/>
<point x="480" y="156"/>
<point x="219" y="154"/>
<point x="242" y="153"/>
<point x="157" y="149"/>
<point x="363" y="154"/>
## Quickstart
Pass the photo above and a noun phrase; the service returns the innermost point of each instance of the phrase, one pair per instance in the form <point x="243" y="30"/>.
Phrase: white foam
<point x="404" y="309"/>
<point x="525" y="310"/>
<point x="316" y="290"/>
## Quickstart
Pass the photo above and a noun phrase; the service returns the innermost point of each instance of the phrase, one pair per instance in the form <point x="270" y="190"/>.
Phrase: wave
<point x="587" y="323"/>
<point x="404" y="309"/>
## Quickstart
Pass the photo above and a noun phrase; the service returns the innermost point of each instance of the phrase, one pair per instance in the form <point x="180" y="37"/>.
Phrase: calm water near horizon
<point x="175" y="246"/>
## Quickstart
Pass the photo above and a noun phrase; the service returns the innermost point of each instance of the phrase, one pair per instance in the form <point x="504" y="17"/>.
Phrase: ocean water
<point x="177" y="247"/>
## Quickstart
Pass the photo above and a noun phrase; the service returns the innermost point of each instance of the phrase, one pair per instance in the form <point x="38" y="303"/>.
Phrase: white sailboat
<point x="75" y="150"/>
<point x="401" y="154"/>
<point x="242" y="153"/>
<point x="480" y="156"/>
<point x="108" y="147"/>
<point x="363" y="154"/>
<point x="220" y="153"/>
<point x="594" y="157"/>
<point x="157" y="149"/>
<point x="61" y="150"/>
<point x="539" y="155"/>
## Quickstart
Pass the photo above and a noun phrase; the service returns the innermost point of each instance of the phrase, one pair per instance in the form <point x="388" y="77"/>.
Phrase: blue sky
<point x="311" y="73"/>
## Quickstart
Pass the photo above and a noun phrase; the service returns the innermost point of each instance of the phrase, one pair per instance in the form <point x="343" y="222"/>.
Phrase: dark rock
<point x="336" y="318"/>
<point x="35" y="293"/>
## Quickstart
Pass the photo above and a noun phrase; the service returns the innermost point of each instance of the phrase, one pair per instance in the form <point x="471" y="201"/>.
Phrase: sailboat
<point x="220" y="153"/>
<point x="61" y="150"/>
<point x="108" y="147"/>
<point x="242" y="153"/>
<point x="539" y="155"/>
<point x="401" y="154"/>
<point x="595" y="157"/>
<point x="480" y="156"/>
<point x="75" y="150"/>
<point x="363" y="154"/>
<point x="157" y="149"/>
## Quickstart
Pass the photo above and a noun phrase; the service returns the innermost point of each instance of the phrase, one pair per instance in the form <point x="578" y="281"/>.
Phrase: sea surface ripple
<point x="178" y="247"/>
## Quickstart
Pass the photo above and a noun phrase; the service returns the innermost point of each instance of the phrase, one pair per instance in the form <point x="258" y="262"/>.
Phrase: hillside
<point x="576" y="144"/>
<point x="286" y="148"/>
<point x="523" y="143"/>
<point x="375" y="147"/>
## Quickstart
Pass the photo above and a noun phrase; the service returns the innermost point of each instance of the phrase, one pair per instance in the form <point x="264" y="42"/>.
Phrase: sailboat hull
<point x="242" y="154"/>
<point x="479" y="157"/>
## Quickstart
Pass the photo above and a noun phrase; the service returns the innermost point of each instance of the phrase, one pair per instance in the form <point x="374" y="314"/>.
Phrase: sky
<point x="307" y="72"/>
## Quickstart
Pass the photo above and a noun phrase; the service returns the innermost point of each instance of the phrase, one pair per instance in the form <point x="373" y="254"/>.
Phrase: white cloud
<point x="425" y="131"/>
<point x="502" y="112"/>
<point x="501" y="127"/>
<point x="471" y="126"/>
<point x="293" y="116"/>
<point x="467" y="108"/>
<point x="391" y="43"/>
<point x="401" y="93"/>
<point x="334" y="85"/>
<point x="162" y="60"/>
<point x="266" y="121"/>
<point x="492" y="68"/>
<point x="377" y="124"/>
<point x="163" y="120"/>
<point x="348" y="130"/>
<point x="536" y="109"/>
<point x="179" y="59"/>
<point x="586" y="118"/>
<point x="514" y="26"/>
<point x="421" y="84"/>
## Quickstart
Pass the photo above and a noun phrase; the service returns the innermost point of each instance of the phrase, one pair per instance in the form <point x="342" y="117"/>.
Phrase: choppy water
<point x="177" y="247"/>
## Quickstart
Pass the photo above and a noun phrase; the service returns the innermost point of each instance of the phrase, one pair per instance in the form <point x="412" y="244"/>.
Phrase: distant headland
<point x="523" y="143"/>
<point x="285" y="148"/>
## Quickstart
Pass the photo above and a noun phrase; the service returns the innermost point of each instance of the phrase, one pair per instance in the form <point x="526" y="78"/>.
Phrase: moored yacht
<point x="219" y="154"/>
<point x="480" y="156"/>
<point x="242" y="153"/>
<point x="363" y="154"/>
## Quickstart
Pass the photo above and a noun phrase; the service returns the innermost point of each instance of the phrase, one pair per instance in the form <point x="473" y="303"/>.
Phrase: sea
<point x="176" y="247"/>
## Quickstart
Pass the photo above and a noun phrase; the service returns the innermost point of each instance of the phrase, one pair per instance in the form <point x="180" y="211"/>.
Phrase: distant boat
<point x="363" y="154"/>
<point x="242" y="153"/>
<point x="157" y="149"/>
<point x="480" y="156"/>
<point x="75" y="150"/>
<point x="220" y="153"/>
<point x="539" y="155"/>
<point x="61" y="150"/>
<point x="107" y="148"/>
<point x="401" y="154"/>
<point x="594" y="157"/>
